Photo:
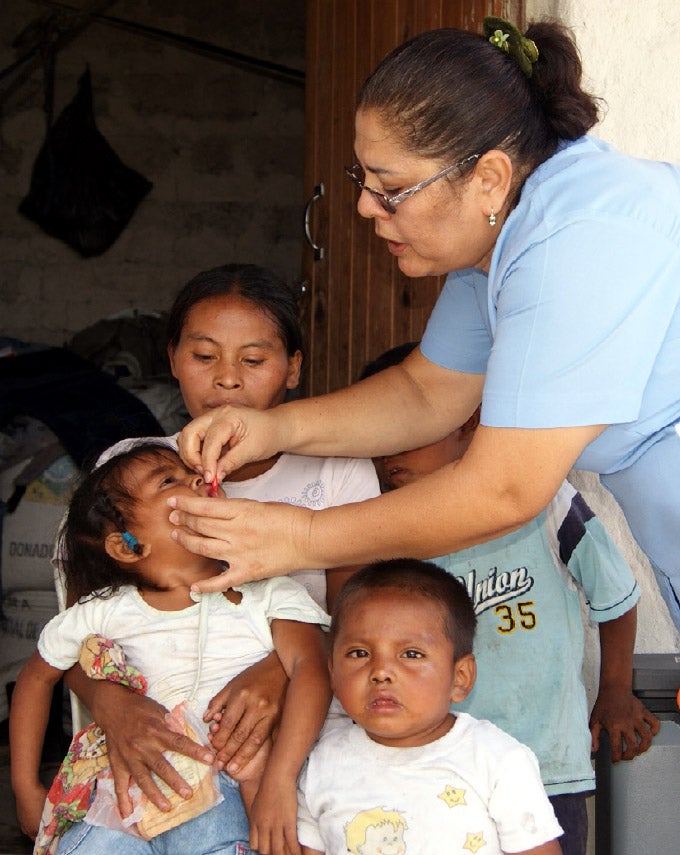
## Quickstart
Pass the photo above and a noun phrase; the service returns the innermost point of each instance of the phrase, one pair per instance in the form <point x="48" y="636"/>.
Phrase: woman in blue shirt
<point x="560" y="314"/>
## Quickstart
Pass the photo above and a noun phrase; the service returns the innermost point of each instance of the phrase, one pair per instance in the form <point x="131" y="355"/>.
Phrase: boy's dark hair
<point x="415" y="578"/>
<point x="101" y="504"/>
<point x="393" y="356"/>
<point x="259" y="285"/>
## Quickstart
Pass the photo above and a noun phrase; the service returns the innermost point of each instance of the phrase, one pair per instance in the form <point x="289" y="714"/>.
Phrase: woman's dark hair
<point x="449" y="94"/>
<point x="101" y="504"/>
<point x="259" y="285"/>
<point x="414" y="578"/>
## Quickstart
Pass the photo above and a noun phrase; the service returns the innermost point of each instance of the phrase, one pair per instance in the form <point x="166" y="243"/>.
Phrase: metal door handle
<point x="319" y="251"/>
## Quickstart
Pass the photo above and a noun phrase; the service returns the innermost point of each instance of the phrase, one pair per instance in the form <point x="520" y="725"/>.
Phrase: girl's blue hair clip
<point x="131" y="541"/>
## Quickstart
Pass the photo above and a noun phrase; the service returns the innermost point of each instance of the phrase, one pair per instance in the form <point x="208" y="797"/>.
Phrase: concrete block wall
<point x="223" y="146"/>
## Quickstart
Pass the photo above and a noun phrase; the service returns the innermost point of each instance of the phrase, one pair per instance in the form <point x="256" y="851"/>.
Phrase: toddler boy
<point x="403" y="774"/>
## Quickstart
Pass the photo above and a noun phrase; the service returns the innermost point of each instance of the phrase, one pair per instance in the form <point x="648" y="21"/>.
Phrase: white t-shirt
<point x="474" y="790"/>
<point x="187" y="654"/>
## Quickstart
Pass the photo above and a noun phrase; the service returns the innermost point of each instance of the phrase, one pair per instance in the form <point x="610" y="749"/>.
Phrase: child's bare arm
<point x="29" y="712"/>
<point x="628" y="722"/>
<point x="302" y="651"/>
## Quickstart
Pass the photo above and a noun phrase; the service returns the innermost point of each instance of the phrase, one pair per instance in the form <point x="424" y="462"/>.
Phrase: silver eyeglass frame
<point x="389" y="203"/>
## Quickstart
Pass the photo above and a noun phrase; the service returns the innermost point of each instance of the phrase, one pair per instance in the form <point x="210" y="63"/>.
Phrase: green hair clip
<point x="505" y="36"/>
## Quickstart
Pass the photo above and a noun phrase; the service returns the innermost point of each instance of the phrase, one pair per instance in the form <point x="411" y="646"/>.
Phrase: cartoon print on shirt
<point x="452" y="796"/>
<point x="474" y="841"/>
<point x="376" y="832"/>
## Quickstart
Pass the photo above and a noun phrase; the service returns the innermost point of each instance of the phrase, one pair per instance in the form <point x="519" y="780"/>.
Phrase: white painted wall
<point x="631" y="58"/>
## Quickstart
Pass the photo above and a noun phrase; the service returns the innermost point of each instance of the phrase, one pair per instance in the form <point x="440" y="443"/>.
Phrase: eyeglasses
<point x="389" y="203"/>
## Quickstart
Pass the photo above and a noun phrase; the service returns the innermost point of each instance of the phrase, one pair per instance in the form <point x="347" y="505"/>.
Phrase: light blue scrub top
<point x="578" y="323"/>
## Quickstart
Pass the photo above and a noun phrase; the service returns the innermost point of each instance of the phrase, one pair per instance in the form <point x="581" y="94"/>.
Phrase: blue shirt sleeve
<point x="457" y="334"/>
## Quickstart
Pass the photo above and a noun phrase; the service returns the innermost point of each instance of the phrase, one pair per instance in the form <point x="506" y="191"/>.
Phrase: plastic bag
<point x="81" y="192"/>
<point x="146" y="820"/>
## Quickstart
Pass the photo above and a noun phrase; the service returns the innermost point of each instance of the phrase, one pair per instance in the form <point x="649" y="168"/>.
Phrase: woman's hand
<point x="246" y="712"/>
<point x="136" y="737"/>
<point x="224" y="439"/>
<point x="257" y="540"/>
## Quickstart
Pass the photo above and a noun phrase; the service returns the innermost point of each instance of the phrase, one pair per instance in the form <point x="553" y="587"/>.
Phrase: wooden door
<point x="356" y="302"/>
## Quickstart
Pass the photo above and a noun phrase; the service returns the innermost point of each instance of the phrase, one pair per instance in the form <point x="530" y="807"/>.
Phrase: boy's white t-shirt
<point x="474" y="790"/>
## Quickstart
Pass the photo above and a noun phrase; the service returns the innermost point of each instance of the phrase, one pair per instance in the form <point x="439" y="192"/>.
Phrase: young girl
<point x="233" y="337"/>
<point x="133" y="586"/>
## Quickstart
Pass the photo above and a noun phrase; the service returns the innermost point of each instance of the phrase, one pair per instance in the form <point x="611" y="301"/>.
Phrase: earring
<point x="131" y="542"/>
<point x="492" y="219"/>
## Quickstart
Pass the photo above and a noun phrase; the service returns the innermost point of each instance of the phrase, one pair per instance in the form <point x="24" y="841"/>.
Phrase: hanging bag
<point x="81" y="192"/>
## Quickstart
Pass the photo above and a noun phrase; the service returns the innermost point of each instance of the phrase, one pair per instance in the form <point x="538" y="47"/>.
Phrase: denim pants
<point x="572" y="814"/>
<point x="222" y="830"/>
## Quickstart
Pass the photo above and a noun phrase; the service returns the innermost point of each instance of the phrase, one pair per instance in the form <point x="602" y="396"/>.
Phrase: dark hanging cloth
<point x="81" y="192"/>
<point x="86" y="409"/>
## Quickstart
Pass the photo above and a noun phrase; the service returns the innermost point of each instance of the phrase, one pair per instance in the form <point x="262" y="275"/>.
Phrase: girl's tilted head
<point x="118" y="516"/>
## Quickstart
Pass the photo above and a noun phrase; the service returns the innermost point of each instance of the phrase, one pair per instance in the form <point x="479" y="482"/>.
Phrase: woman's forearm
<point x="403" y="407"/>
<point x="79" y="683"/>
<point x="406" y="406"/>
<point x="504" y="479"/>
<point x="500" y="484"/>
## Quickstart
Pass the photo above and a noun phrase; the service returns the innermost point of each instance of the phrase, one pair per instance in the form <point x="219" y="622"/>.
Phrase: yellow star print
<point x="474" y="841"/>
<point x="452" y="796"/>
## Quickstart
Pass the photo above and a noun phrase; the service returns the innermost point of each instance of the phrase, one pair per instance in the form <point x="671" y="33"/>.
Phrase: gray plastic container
<point x="637" y="802"/>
